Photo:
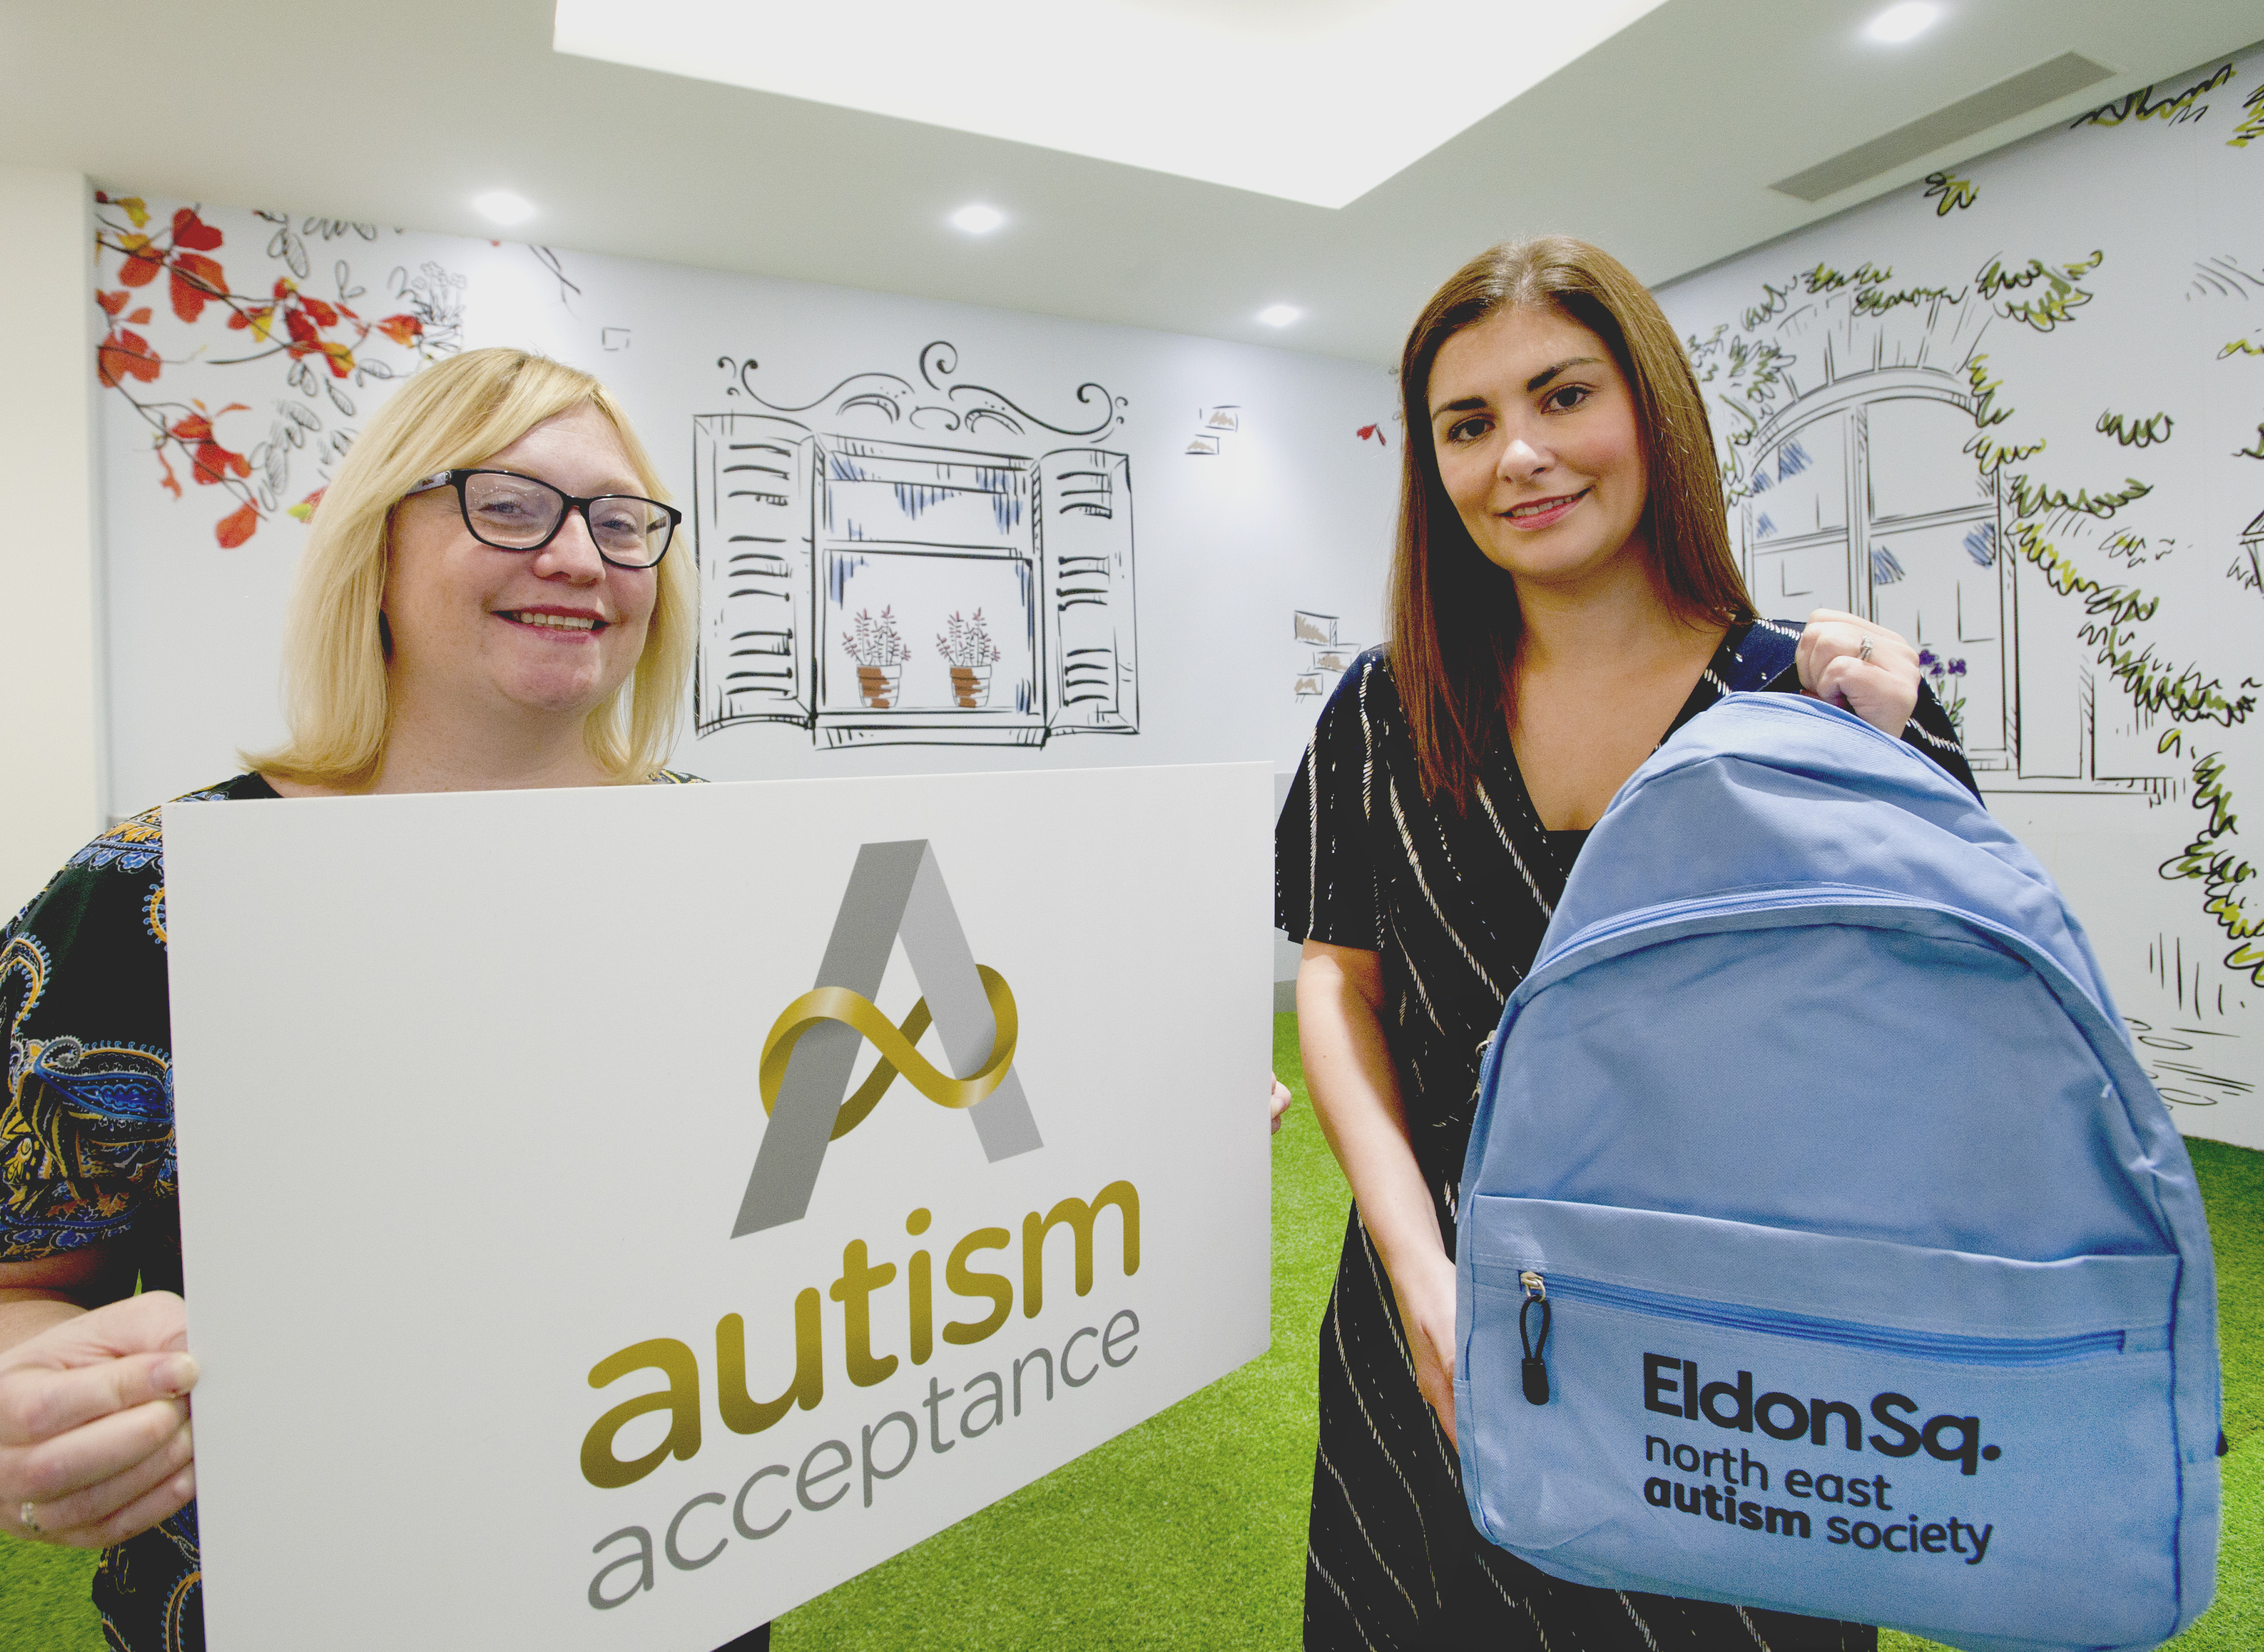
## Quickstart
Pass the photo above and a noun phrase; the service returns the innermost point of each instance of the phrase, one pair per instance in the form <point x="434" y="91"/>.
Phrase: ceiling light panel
<point x="1904" y="22"/>
<point x="1320" y="105"/>
<point x="503" y="206"/>
<point x="977" y="219"/>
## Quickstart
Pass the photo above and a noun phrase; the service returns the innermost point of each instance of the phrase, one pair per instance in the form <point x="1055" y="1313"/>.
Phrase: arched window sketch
<point x="902" y="563"/>
<point x="1852" y="476"/>
<point x="1862" y="498"/>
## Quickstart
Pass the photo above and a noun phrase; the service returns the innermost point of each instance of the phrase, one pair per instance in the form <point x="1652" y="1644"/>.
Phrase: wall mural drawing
<point x="1324" y="660"/>
<point x="315" y="352"/>
<point x="835" y="535"/>
<point x="1998" y="413"/>
<point x="241" y="353"/>
<point x="1213" y="426"/>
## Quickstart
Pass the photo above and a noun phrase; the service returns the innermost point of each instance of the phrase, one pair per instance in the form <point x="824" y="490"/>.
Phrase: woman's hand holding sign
<point x="94" y="1411"/>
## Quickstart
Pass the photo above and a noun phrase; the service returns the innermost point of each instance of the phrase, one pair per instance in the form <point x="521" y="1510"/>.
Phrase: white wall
<point x="51" y="744"/>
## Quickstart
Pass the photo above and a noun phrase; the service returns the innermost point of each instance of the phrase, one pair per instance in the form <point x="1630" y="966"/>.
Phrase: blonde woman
<point x="488" y="600"/>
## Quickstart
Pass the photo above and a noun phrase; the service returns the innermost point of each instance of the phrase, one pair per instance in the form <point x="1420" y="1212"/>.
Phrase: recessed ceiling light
<point x="1904" y="22"/>
<point x="1310" y="101"/>
<point x="1278" y="315"/>
<point x="977" y="219"/>
<point x="503" y="206"/>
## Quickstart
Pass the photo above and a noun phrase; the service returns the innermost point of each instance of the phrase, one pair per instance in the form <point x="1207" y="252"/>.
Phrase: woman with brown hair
<point x="1563" y="597"/>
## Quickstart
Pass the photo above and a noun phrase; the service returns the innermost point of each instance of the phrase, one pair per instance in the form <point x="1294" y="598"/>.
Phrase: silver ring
<point x="24" y="1515"/>
<point x="1864" y="652"/>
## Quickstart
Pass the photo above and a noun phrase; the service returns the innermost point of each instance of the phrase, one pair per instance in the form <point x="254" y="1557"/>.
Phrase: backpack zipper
<point x="1534" y="1374"/>
<point x="1935" y="1345"/>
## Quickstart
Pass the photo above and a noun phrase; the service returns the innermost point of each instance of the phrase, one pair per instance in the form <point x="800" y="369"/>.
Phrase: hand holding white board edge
<point x="468" y="1104"/>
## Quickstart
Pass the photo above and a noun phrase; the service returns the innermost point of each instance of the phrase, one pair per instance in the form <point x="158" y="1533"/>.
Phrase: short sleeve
<point x="1324" y="881"/>
<point x="86" y="1123"/>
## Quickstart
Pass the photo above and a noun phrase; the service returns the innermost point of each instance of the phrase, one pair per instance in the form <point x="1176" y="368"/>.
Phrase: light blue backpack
<point x="1823" y="1245"/>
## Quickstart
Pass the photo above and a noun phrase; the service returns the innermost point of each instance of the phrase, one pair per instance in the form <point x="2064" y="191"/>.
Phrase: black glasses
<point x="515" y="512"/>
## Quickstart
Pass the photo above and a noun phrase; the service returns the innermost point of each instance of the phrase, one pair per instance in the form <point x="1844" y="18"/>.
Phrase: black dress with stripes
<point x="1455" y="904"/>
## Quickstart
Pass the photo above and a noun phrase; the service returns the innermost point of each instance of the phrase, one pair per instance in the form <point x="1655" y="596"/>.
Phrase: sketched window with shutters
<point x="1086" y="523"/>
<point x="1862" y="497"/>
<point x="879" y="591"/>
<point x="750" y="533"/>
<point x="908" y="534"/>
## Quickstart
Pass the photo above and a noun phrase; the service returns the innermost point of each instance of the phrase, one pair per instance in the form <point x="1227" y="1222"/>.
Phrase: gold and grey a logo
<point x="894" y="892"/>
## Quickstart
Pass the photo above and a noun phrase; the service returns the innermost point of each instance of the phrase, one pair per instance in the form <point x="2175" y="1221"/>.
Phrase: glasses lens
<point x="629" y="530"/>
<point x="511" y="511"/>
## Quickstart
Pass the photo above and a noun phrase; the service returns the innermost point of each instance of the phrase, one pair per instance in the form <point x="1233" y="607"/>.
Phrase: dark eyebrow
<point x="1476" y="404"/>
<point x="1541" y="378"/>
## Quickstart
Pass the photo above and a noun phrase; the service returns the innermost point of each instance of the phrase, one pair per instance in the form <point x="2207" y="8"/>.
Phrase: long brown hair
<point x="1454" y="613"/>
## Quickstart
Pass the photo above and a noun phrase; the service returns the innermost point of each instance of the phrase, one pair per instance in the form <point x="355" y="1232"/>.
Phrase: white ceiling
<point x="1242" y="96"/>
<point x="1660" y="144"/>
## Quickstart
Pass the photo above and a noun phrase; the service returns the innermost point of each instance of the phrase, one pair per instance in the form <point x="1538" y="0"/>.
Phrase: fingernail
<point x="178" y="1374"/>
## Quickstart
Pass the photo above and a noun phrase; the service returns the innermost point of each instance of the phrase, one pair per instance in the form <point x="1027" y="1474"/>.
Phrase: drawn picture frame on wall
<point x="929" y="498"/>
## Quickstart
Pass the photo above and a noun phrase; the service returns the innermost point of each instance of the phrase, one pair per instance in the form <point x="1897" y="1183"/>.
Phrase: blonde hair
<point x="451" y="415"/>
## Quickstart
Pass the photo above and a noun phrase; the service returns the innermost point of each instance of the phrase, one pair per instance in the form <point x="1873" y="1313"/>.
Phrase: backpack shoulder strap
<point x="1765" y="653"/>
<point x="1752" y="656"/>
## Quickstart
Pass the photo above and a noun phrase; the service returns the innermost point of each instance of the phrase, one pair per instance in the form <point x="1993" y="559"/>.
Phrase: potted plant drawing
<point x="879" y="651"/>
<point x="966" y="646"/>
<point x="1947" y="677"/>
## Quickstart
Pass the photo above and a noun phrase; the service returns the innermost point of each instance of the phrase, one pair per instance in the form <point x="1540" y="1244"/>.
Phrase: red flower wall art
<point x="327" y="348"/>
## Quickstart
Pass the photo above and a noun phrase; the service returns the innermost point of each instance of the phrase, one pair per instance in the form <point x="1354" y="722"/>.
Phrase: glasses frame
<point x="457" y="479"/>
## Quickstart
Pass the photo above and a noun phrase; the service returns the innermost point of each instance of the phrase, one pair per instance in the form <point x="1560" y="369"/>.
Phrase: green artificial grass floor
<point x="1190" y="1529"/>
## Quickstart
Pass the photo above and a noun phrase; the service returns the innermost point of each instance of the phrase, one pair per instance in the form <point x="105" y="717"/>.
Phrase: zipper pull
<point x="1534" y="1372"/>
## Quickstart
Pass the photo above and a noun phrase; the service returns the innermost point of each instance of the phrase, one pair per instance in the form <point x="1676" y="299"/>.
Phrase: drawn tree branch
<point x="329" y="348"/>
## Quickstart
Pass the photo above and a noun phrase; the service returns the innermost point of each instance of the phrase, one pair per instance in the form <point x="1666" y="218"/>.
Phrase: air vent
<point x="2031" y="88"/>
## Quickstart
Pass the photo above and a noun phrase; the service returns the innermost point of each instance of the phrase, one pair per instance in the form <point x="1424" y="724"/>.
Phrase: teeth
<point x="1545" y="504"/>
<point x="557" y="622"/>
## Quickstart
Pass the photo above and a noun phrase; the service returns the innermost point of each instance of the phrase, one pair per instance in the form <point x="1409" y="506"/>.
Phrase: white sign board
<point x="522" y="1324"/>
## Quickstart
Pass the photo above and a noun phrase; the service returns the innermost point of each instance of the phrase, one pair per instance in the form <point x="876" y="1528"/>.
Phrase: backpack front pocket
<point x="1963" y="1445"/>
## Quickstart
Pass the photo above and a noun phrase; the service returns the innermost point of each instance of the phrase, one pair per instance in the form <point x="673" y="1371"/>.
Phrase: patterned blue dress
<point x="1455" y="904"/>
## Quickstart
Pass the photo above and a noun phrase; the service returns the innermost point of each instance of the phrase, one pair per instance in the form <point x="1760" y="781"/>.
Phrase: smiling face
<point x="1535" y="429"/>
<point x="488" y="638"/>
